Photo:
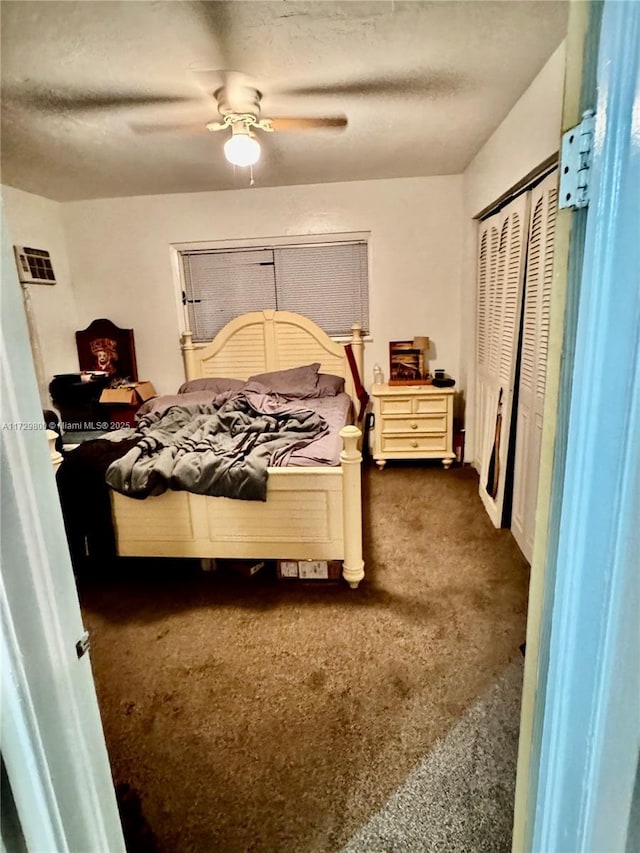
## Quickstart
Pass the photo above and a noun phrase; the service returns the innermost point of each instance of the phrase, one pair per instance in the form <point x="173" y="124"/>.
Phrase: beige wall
<point x="525" y="139"/>
<point x="119" y="252"/>
<point x="35" y="221"/>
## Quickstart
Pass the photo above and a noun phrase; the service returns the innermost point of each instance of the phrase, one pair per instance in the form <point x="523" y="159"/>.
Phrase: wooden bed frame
<point x="310" y="513"/>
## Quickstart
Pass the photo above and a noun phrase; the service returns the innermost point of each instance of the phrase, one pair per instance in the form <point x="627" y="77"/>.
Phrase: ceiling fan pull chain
<point x="251" y="182"/>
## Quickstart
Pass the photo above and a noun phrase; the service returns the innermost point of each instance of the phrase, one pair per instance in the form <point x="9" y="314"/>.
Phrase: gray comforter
<point x="221" y="451"/>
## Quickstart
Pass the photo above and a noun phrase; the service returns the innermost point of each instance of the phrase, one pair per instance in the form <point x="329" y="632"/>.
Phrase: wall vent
<point x="34" y="266"/>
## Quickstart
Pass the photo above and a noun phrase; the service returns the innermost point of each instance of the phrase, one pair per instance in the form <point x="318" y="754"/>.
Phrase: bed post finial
<point x="56" y="456"/>
<point x="357" y="345"/>
<point x="188" y="356"/>
<point x="351" y="458"/>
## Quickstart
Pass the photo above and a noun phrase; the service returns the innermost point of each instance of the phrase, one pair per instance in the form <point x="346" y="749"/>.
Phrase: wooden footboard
<point x="310" y="513"/>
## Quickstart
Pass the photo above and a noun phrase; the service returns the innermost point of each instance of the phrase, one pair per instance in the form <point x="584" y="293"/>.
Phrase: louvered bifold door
<point x="502" y="249"/>
<point x="533" y="364"/>
<point x="489" y="236"/>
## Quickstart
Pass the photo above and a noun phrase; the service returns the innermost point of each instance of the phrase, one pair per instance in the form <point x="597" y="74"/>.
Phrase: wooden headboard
<point x="263" y="341"/>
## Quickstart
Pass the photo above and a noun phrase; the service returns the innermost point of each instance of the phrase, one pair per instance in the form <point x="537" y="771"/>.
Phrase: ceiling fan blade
<point x="330" y="122"/>
<point x="55" y="101"/>
<point x="174" y="127"/>
<point x="217" y="20"/>
<point x="434" y="84"/>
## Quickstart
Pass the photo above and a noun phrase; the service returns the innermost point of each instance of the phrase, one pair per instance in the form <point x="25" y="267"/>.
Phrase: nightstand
<point x="412" y="422"/>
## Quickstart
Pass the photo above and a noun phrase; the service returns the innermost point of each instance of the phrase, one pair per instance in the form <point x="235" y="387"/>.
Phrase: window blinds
<point x="327" y="282"/>
<point x="222" y="285"/>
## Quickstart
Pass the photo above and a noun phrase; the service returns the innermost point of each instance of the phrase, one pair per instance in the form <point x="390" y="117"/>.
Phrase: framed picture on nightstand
<point x="404" y="363"/>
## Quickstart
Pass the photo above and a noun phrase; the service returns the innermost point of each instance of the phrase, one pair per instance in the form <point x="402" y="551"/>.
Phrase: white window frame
<point x="177" y="249"/>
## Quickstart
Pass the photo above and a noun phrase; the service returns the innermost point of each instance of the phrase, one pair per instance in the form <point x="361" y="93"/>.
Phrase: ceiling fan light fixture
<point x="243" y="149"/>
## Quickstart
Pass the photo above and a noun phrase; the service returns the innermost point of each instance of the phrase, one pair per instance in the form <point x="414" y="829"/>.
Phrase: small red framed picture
<point x="105" y="348"/>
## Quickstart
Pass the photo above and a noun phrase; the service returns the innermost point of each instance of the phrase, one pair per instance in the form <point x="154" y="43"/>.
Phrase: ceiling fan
<point x="238" y="102"/>
<point x="239" y="106"/>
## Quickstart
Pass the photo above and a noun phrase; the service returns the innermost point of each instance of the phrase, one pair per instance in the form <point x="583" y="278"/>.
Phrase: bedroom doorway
<point x="579" y="733"/>
<point x="53" y="746"/>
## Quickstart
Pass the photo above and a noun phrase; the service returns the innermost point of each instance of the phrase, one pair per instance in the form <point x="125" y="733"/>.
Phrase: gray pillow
<point x="216" y="385"/>
<point x="295" y="382"/>
<point x="329" y="385"/>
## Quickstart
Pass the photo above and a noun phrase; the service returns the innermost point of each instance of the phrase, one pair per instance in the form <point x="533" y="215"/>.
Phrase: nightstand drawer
<point x="418" y="424"/>
<point x="396" y="405"/>
<point x="409" y="444"/>
<point x="433" y="403"/>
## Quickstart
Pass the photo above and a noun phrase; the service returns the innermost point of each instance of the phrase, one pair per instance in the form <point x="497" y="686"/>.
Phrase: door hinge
<point x="83" y="644"/>
<point x="577" y="152"/>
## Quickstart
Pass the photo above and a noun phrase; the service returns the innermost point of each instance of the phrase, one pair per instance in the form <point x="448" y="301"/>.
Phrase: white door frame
<point x="51" y="739"/>
<point x="586" y="728"/>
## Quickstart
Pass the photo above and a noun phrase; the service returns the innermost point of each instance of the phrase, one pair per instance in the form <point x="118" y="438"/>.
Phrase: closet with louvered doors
<point x="515" y="258"/>
<point x="533" y="361"/>
<point x="501" y="264"/>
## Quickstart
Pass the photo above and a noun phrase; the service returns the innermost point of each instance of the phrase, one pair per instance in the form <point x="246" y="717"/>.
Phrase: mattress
<point x="337" y="412"/>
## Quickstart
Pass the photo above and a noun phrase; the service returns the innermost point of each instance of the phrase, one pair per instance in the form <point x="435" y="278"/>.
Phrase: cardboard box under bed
<point x="314" y="570"/>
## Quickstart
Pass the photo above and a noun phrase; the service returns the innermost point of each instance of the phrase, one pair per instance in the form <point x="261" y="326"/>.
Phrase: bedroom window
<point x="327" y="282"/>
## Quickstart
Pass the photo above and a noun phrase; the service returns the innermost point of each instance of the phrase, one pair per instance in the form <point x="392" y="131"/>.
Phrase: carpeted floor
<point x="251" y="714"/>
<point x="459" y="799"/>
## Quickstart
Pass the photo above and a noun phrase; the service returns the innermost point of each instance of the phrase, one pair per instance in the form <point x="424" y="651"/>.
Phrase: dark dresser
<point x="77" y="402"/>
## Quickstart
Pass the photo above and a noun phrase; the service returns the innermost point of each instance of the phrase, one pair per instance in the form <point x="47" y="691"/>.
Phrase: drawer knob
<point x="414" y="443"/>
<point x="414" y="425"/>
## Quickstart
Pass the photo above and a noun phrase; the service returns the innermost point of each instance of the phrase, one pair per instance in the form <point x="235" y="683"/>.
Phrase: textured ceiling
<point x="423" y="85"/>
